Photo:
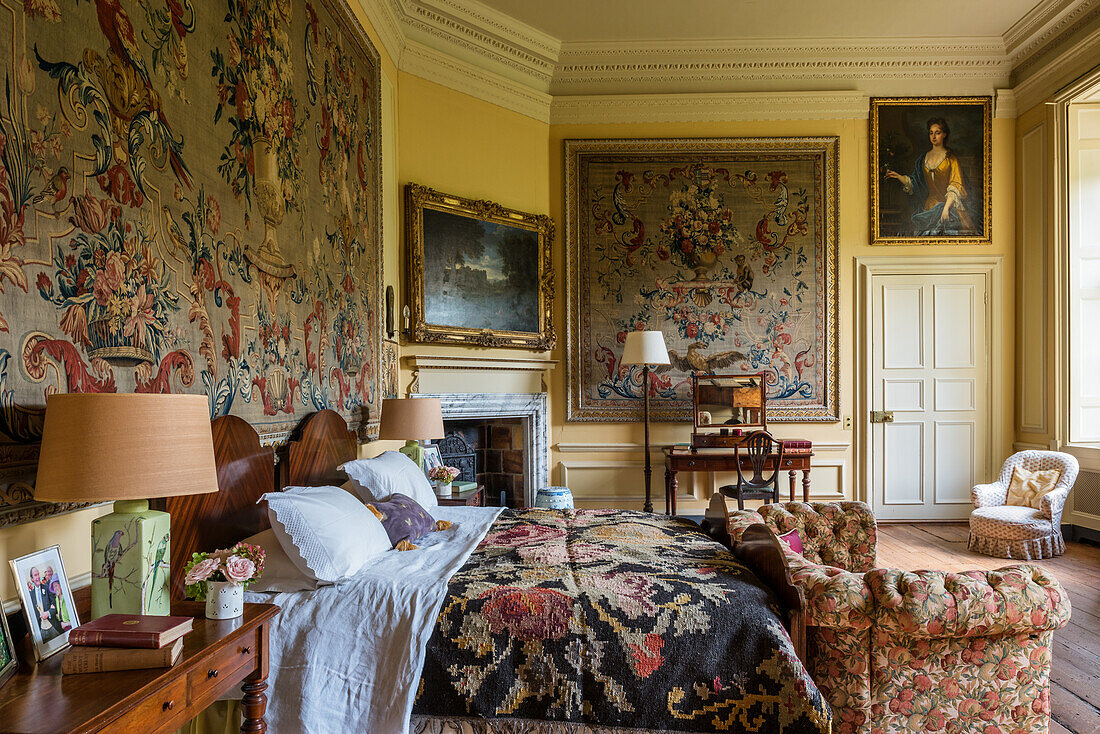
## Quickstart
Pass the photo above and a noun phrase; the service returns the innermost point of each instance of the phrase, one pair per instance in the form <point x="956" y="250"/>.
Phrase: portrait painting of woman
<point x="931" y="177"/>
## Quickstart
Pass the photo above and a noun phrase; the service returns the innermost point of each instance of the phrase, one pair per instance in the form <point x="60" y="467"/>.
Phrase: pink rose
<point x="239" y="569"/>
<point x="201" y="571"/>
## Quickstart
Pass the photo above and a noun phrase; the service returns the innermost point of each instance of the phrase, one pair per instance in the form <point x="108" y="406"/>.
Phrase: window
<point x="1084" y="270"/>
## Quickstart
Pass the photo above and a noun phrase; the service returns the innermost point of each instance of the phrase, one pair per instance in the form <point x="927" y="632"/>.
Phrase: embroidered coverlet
<point x="727" y="246"/>
<point x="611" y="620"/>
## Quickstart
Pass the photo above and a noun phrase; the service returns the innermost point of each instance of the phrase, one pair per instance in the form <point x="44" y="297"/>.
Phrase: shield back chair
<point x="757" y="447"/>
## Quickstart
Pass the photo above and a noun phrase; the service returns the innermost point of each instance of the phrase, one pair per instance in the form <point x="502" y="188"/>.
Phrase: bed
<point x="549" y="622"/>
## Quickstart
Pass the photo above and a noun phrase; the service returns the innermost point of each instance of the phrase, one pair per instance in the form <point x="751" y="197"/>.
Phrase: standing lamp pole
<point x="646" y="348"/>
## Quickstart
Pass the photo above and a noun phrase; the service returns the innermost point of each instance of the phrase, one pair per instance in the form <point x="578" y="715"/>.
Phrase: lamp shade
<point x="121" y="446"/>
<point x="411" y="419"/>
<point x="645" y="347"/>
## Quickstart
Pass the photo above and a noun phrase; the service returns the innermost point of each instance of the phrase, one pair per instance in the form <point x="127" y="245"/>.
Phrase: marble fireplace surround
<point x="531" y="408"/>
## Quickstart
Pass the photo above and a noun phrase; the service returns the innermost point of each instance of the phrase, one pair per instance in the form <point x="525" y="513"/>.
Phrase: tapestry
<point x="616" y="618"/>
<point x="190" y="201"/>
<point x="727" y="246"/>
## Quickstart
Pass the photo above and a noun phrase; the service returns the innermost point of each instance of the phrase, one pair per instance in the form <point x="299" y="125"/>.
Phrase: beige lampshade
<point x="121" y="446"/>
<point x="645" y="347"/>
<point x="411" y="419"/>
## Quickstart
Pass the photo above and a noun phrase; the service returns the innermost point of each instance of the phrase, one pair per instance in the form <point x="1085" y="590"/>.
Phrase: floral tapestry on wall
<point x="190" y="201"/>
<point x="727" y="246"/>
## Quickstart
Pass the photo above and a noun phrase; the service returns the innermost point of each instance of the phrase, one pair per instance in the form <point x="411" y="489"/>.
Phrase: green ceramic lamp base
<point x="414" y="451"/>
<point x="130" y="554"/>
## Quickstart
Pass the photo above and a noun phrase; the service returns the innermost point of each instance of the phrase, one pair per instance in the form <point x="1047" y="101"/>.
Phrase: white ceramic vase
<point x="443" y="490"/>
<point x="224" y="599"/>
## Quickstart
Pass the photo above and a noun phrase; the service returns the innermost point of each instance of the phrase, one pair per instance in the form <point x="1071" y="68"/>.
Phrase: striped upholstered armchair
<point x="928" y="651"/>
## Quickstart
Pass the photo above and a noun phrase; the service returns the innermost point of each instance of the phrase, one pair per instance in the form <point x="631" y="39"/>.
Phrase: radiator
<point x="1086" y="501"/>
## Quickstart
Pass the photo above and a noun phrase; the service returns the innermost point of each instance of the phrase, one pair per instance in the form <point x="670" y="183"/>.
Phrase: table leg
<point x="790" y="475"/>
<point x="254" y="704"/>
<point x="668" y="489"/>
<point x="805" y="485"/>
<point x="670" y="501"/>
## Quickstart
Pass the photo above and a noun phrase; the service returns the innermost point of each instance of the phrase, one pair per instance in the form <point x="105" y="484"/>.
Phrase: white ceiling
<point x="574" y="21"/>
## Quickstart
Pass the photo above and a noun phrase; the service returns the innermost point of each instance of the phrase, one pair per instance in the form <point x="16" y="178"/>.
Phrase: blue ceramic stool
<point x="554" y="498"/>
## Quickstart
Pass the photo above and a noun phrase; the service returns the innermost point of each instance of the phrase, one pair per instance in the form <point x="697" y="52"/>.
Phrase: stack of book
<point x="125" y="642"/>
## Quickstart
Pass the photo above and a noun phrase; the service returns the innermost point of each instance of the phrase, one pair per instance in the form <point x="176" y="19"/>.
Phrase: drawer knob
<point x="212" y="673"/>
<point x="691" y="463"/>
<point x="246" y="650"/>
<point x="169" y="705"/>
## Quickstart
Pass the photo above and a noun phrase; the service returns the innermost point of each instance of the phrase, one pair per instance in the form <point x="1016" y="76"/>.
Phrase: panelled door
<point x="930" y="394"/>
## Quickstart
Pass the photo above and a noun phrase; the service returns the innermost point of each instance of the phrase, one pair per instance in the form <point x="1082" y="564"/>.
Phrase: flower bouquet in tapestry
<point x="443" y="476"/>
<point x="221" y="577"/>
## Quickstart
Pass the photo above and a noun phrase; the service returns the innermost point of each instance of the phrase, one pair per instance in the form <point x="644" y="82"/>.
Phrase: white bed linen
<point x="348" y="657"/>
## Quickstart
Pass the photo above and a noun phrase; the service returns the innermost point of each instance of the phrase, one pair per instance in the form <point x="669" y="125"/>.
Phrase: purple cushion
<point x="791" y="538"/>
<point x="403" y="518"/>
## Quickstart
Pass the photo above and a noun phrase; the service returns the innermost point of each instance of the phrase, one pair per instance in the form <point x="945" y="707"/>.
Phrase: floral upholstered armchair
<point x="923" y="651"/>
<point x="1011" y="531"/>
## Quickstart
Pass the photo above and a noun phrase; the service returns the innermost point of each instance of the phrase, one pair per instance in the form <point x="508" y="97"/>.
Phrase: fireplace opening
<point x="489" y="451"/>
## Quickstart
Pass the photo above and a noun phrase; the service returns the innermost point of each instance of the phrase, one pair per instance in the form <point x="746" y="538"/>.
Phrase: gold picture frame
<point x="479" y="273"/>
<point x="948" y="204"/>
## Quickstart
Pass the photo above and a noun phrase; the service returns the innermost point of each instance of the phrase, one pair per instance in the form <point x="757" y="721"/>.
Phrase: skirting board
<point x="1078" y="534"/>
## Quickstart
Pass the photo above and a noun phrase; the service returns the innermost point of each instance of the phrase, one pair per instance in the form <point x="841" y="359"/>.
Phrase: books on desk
<point x="89" y="659"/>
<point x="125" y="642"/>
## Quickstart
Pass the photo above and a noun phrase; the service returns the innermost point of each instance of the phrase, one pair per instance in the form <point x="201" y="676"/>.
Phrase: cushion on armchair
<point x="1026" y="488"/>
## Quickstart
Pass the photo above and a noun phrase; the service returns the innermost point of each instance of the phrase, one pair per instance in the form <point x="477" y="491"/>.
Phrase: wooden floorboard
<point x="1075" y="674"/>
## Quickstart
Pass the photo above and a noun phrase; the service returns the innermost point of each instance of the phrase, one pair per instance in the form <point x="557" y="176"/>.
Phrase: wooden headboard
<point x="318" y="445"/>
<point x="206" y="522"/>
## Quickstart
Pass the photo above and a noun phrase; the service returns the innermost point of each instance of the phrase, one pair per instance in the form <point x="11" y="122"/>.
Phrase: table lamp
<point x="646" y="348"/>
<point x="127" y="447"/>
<point x="413" y="420"/>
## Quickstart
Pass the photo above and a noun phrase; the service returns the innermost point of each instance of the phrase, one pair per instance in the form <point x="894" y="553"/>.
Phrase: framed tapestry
<point x="727" y="246"/>
<point x="931" y="170"/>
<point x="478" y="273"/>
<point x="191" y="206"/>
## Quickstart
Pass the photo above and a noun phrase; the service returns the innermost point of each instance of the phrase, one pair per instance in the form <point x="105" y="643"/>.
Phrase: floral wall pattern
<point x="726" y="246"/>
<point x="189" y="202"/>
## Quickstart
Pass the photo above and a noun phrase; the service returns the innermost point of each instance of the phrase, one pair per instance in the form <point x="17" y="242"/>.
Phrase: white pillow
<point x="334" y="534"/>
<point x="280" y="573"/>
<point x="380" y="478"/>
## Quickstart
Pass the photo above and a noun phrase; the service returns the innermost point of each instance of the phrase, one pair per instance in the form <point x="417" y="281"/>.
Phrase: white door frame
<point x="992" y="268"/>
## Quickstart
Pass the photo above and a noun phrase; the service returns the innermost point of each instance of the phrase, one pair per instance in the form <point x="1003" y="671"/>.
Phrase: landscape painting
<point x="480" y="273"/>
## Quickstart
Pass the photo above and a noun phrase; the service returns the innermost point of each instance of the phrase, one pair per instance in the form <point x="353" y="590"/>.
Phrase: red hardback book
<point x="130" y="630"/>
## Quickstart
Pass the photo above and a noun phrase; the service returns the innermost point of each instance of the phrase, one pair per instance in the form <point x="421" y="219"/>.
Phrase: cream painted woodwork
<point x="930" y="368"/>
<point x="1033" y="307"/>
<point x="1084" y="272"/>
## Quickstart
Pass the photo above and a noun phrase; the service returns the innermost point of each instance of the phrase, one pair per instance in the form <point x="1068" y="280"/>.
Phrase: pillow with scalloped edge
<point x="405" y="520"/>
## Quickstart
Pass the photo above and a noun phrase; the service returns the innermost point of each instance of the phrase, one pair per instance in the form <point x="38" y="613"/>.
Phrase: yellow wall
<point x="854" y="237"/>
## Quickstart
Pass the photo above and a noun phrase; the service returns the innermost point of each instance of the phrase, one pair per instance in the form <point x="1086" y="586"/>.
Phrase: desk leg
<point x="790" y="475"/>
<point x="805" y="484"/>
<point x="254" y="704"/>
<point x="670" y="478"/>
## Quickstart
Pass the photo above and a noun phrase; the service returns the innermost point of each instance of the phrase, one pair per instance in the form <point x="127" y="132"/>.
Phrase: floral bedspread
<point x="614" y="618"/>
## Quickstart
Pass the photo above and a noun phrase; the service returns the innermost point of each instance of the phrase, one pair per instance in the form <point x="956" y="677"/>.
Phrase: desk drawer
<point x="220" y="672"/>
<point x="165" y="711"/>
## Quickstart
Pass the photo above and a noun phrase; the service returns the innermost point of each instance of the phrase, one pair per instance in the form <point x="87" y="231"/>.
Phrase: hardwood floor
<point x="1075" y="676"/>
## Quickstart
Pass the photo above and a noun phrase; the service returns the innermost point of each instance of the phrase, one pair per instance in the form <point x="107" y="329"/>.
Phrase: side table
<point x="470" y="497"/>
<point x="217" y="656"/>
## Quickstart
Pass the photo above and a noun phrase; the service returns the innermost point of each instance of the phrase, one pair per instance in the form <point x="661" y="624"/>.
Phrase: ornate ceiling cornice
<point x="470" y="47"/>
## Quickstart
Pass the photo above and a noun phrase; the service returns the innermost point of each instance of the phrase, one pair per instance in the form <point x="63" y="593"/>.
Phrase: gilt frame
<point x="420" y="198"/>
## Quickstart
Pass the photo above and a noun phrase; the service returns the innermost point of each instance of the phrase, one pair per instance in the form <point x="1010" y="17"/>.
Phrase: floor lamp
<point x="646" y="348"/>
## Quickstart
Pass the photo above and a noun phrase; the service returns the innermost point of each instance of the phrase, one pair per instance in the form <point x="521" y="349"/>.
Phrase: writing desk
<point x="685" y="459"/>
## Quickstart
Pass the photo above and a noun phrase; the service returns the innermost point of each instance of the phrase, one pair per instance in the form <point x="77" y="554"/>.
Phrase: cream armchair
<point x="1027" y="533"/>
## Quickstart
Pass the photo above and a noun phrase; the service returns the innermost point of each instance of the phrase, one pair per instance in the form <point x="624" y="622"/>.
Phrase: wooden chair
<point x="758" y="446"/>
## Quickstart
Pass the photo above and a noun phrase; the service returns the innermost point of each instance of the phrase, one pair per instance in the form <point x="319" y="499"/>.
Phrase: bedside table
<point x="217" y="656"/>
<point x="470" y="498"/>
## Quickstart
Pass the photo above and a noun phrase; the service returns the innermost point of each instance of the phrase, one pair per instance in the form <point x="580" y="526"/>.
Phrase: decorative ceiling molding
<point x="462" y="76"/>
<point x="737" y="106"/>
<point x="475" y="49"/>
<point x="669" y="67"/>
<point x="1004" y="104"/>
<point x="1052" y="75"/>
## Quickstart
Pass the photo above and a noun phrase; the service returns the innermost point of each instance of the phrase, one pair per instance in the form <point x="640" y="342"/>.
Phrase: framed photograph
<point x="478" y="273"/>
<point x="728" y="246"/>
<point x="47" y="599"/>
<point x="432" y="458"/>
<point x="8" y="661"/>
<point x="931" y="170"/>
